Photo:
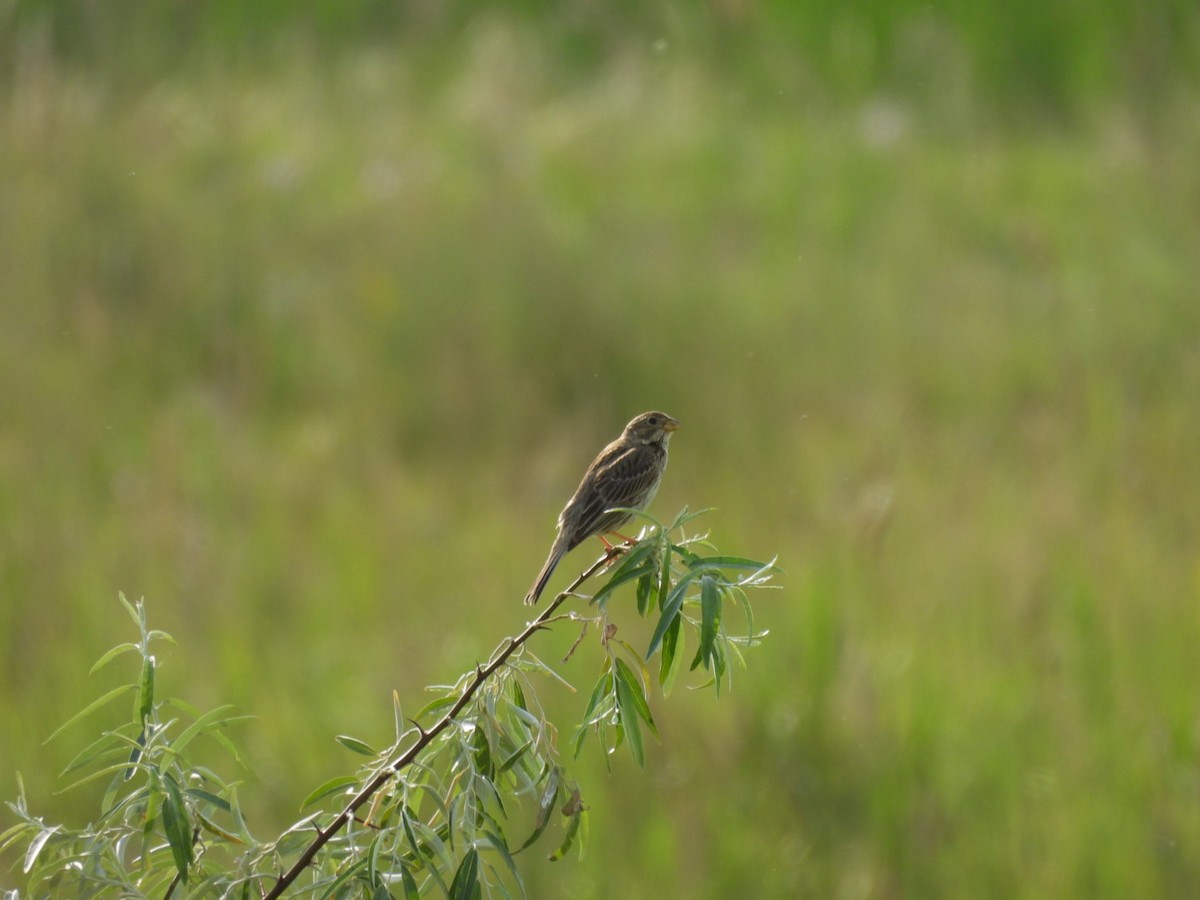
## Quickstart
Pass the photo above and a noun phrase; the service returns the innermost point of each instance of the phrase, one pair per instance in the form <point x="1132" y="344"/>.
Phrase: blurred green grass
<point x="309" y="348"/>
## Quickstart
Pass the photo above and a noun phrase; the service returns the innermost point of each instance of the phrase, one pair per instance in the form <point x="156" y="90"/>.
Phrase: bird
<point x="625" y="474"/>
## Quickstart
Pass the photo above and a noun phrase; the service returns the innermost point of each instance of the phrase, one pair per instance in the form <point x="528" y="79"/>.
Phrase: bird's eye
<point x="654" y="420"/>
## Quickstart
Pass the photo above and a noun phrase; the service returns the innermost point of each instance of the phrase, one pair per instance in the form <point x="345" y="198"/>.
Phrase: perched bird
<point x="625" y="474"/>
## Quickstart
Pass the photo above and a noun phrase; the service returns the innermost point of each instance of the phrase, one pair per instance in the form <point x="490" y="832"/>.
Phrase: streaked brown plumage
<point x="625" y="474"/>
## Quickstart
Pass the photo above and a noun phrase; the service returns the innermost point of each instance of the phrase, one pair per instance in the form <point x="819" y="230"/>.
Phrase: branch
<point x="425" y="736"/>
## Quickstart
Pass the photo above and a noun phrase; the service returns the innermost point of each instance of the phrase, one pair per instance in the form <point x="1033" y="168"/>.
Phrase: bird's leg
<point x="627" y="542"/>
<point x="611" y="551"/>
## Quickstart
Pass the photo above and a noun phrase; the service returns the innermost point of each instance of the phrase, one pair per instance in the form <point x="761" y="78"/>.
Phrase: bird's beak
<point x="671" y="425"/>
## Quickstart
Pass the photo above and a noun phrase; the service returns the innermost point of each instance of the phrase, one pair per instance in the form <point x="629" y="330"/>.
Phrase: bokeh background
<point x="312" y="314"/>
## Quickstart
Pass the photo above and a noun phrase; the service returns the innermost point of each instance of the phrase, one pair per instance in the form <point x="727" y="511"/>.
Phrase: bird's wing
<point x="621" y="476"/>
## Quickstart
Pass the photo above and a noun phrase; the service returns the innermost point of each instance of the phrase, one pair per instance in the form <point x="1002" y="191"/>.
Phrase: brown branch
<point x="482" y="674"/>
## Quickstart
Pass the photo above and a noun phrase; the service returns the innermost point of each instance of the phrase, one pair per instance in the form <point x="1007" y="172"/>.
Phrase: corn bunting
<point x="625" y="474"/>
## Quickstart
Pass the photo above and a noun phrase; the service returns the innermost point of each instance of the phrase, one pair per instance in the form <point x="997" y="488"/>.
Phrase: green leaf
<point x="109" y="798"/>
<point x="146" y="690"/>
<point x="35" y="848"/>
<point x="617" y="580"/>
<point x="599" y="692"/>
<point x="373" y="860"/>
<point x="634" y="557"/>
<point x="110" y="656"/>
<point x="17" y="833"/>
<point x="637" y="693"/>
<point x="332" y="786"/>
<point x="718" y="658"/>
<point x="108" y="744"/>
<point x="121" y="767"/>
<point x="645" y="590"/>
<point x="710" y="617"/>
<point x="602" y="690"/>
<point x="136" y="613"/>
<point x="685" y="516"/>
<point x="670" y="610"/>
<point x="411" y="891"/>
<point x="347" y="873"/>
<point x="210" y="798"/>
<point x="177" y="827"/>
<point x="135" y="754"/>
<point x="213" y="828"/>
<point x="466" y="880"/>
<point x="545" y="807"/>
<point x="435" y="705"/>
<point x="482" y="751"/>
<point x="212" y="719"/>
<point x="576" y="810"/>
<point x="409" y="832"/>
<point x="664" y="578"/>
<point x="497" y="843"/>
<point x="513" y="758"/>
<point x="354" y="744"/>
<point x="518" y="695"/>
<point x="733" y="562"/>
<point x="671" y="661"/>
<point x="627" y="704"/>
<point x="89" y="709"/>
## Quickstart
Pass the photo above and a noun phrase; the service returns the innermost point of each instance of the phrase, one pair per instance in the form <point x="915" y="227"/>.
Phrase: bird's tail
<point x="556" y="553"/>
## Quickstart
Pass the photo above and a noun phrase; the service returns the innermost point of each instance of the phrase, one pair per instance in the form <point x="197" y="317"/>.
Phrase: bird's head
<point x="651" y="428"/>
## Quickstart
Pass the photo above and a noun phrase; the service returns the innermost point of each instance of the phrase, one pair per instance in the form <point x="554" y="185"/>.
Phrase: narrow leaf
<point x="209" y="798"/>
<point x="35" y="848"/>
<point x="545" y="808"/>
<point x="90" y="708"/>
<point x="577" y="813"/>
<point x="633" y="559"/>
<point x="616" y="581"/>
<point x="629" y="721"/>
<point x="645" y="590"/>
<point x="146" y="689"/>
<point x="637" y="693"/>
<point x="213" y="828"/>
<point x="669" y="611"/>
<point x="710" y="616"/>
<point x="411" y="891"/>
<point x="177" y="827"/>
<point x="214" y="718"/>
<point x="333" y="786"/>
<point x="735" y="562"/>
<point x="104" y="746"/>
<point x="435" y="706"/>
<point x="110" y="656"/>
<point x="99" y="773"/>
<point x="135" y="613"/>
<point x="135" y="754"/>
<point x="513" y="758"/>
<point x="353" y="743"/>
<point x="466" y="879"/>
<point x="671" y="662"/>
<point x="496" y="842"/>
<point x="599" y="692"/>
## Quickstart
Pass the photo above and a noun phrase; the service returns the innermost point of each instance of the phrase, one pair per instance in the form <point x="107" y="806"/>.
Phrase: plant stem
<point x="482" y="674"/>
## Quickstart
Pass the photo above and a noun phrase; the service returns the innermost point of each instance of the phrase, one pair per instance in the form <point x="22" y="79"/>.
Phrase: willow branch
<point x="425" y="736"/>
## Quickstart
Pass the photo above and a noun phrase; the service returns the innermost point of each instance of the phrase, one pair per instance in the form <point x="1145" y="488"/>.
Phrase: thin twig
<point x="482" y="674"/>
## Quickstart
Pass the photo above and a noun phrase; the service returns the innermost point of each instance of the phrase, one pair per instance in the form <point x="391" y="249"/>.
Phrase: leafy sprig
<point x="429" y="814"/>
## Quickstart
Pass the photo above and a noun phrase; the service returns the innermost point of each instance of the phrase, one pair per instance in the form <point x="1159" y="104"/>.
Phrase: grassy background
<point x="308" y="326"/>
